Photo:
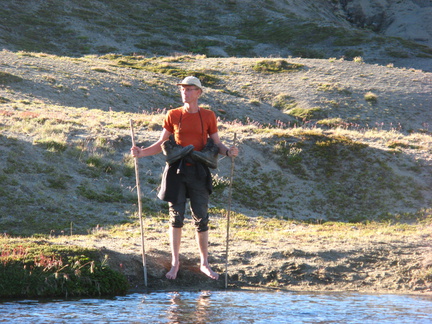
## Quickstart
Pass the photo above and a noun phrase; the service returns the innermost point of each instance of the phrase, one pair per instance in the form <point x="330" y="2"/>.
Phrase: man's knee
<point x="202" y="224"/>
<point x="176" y="224"/>
<point x="176" y="219"/>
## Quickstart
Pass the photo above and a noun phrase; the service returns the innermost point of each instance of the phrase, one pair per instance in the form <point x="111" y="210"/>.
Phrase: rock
<point x="366" y="14"/>
<point x="409" y="19"/>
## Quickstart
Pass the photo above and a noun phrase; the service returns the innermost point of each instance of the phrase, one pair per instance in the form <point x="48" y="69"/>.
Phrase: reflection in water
<point x="226" y="307"/>
<point x="182" y="310"/>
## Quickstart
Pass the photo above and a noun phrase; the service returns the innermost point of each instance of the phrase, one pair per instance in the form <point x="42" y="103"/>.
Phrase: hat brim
<point x="189" y="84"/>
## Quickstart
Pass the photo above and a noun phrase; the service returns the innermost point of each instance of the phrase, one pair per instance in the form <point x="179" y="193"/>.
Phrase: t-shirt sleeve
<point x="167" y="123"/>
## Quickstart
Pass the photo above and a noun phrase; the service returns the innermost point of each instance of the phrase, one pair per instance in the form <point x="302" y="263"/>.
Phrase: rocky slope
<point x="380" y="31"/>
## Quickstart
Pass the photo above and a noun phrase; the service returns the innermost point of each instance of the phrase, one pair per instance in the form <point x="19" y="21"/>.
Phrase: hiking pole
<point x="228" y="215"/>
<point x="139" y="207"/>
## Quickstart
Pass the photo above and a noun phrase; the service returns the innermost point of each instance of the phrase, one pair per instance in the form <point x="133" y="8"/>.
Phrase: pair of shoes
<point x="174" y="152"/>
<point x="208" y="155"/>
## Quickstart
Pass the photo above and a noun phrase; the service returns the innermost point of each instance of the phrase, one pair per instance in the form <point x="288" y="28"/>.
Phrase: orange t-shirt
<point x="191" y="128"/>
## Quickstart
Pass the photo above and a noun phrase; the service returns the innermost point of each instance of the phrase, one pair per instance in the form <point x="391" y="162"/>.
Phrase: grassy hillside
<point x="309" y="29"/>
<point x="320" y="139"/>
<point x="332" y="137"/>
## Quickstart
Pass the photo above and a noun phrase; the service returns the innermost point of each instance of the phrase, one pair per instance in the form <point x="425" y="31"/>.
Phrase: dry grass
<point x="273" y="253"/>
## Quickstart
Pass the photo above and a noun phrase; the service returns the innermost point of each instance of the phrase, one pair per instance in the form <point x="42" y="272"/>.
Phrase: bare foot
<point x="209" y="272"/>
<point x="172" y="274"/>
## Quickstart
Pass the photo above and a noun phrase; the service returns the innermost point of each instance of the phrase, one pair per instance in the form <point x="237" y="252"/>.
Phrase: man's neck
<point x="191" y="108"/>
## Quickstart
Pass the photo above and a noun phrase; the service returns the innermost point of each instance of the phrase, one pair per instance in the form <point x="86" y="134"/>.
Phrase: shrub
<point x="397" y="53"/>
<point x="98" y="164"/>
<point x="350" y="39"/>
<point x="284" y="102"/>
<point x="109" y="194"/>
<point x="276" y="66"/>
<point x="358" y="59"/>
<point x="52" y="145"/>
<point x="255" y="102"/>
<point x="371" y="97"/>
<point x="59" y="181"/>
<point x="288" y="153"/>
<point x="332" y="122"/>
<point x="333" y="87"/>
<point x="219" y="183"/>
<point x="135" y="62"/>
<point x="306" y="113"/>
<point x="351" y="53"/>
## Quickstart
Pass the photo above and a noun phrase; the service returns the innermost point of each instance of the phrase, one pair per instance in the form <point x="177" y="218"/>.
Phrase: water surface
<point x="225" y="307"/>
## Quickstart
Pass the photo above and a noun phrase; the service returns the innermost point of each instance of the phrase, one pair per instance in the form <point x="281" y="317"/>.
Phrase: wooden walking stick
<point x="228" y="215"/>
<point x="139" y="207"/>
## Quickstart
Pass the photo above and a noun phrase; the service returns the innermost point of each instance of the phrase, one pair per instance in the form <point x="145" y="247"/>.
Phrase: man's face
<point x="190" y="93"/>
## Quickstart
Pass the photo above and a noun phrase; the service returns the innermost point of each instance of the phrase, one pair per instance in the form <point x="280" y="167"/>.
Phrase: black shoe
<point x="173" y="151"/>
<point x="208" y="155"/>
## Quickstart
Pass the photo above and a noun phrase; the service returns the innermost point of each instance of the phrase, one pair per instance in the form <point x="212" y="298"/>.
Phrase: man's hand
<point x="232" y="151"/>
<point x="136" y="151"/>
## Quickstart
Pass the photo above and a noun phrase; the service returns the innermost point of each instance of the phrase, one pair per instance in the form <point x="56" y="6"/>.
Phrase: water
<point x="225" y="307"/>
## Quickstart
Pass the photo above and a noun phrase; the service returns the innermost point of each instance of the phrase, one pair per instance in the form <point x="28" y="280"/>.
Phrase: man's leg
<point x="176" y="212"/>
<point x="199" y="197"/>
<point x="202" y="240"/>
<point x="175" y="239"/>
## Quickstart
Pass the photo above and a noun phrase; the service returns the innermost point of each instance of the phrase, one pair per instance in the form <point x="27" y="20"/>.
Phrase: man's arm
<point x="232" y="151"/>
<point x="153" y="149"/>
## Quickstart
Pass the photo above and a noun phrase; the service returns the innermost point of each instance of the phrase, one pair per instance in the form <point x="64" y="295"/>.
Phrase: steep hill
<point x="380" y="31"/>
<point x="319" y="139"/>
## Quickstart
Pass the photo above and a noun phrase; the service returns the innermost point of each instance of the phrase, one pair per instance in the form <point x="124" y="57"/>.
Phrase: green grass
<point x="306" y="113"/>
<point x="38" y="269"/>
<point x="332" y="122"/>
<point x="258" y="189"/>
<point x="59" y="180"/>
<point x="109" y="193"/>
<point x="162" y="66"/>
<point x="344" y="172"/>
<point x="333" y="87"/>
<point x="371" y="97"/>
<point x="52" y="145"/>
<point x="276" y="66"/>
<point x="350" y="38"/>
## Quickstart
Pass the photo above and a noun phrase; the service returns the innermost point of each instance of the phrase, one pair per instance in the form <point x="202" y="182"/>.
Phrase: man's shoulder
<point x="175" y="111"/>
<point x="207" y="112"/>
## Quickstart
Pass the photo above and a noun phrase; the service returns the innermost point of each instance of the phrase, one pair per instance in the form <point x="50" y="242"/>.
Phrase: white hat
<point x="191" y="80"/>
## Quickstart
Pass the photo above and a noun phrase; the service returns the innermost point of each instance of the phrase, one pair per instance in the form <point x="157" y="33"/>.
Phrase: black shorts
<point x="196" y="190"/>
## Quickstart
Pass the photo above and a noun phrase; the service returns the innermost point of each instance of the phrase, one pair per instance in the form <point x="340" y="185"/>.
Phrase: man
<point x="191" y="142"/>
